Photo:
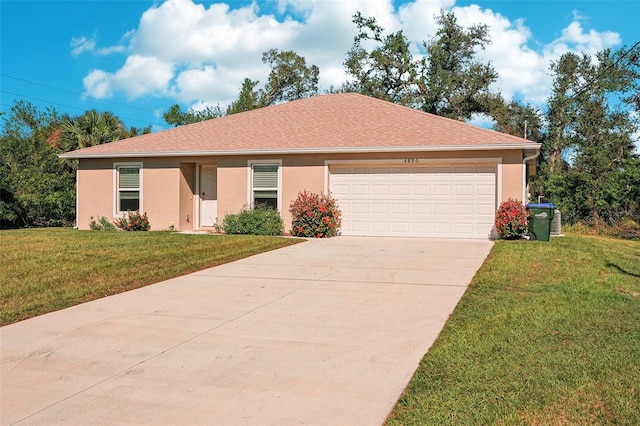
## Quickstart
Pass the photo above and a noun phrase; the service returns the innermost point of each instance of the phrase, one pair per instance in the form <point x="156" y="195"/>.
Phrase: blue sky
<point x="137" y="58"/>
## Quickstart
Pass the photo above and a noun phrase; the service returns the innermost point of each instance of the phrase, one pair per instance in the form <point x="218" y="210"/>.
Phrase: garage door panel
<point x="442" y="209"/>
<point x="420" y="228"/>
<point x="399" y="208"/>
<point x="487" y="189"/>
<point x="380" y="190"/>
<point x="360" y="208"/>
<point x="421" y="189"/>
<point x="340" y="190"/>
<point x="464" y="228"/>
<point x="380" y="227"/>
<point x="400" y="189"/>
<point x="485" y="210"/>
<point x="440" y="190"/>
<point x="420" y="208"/>
<point x="466" y="189"/>
<point x="360" y="189"/>
<point x="380" y="208"/>
<point x="463" y="209"/>
<point x="416" y="200"/>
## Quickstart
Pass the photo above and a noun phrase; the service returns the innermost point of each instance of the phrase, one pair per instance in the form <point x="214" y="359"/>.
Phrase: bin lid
<point x="541" y="206"/>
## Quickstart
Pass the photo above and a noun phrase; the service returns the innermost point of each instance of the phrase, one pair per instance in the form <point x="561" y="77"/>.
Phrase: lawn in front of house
<point x="547" y="333"/>
<point x="43" y="270"/>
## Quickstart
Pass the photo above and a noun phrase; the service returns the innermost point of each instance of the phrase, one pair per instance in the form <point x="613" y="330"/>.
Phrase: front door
<point x="208" y="195"/>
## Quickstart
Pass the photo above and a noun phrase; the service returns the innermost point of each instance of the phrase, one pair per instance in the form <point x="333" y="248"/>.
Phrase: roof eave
<point x="332" y="150"/>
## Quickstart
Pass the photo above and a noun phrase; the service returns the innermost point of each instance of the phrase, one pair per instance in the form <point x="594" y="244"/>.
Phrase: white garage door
<point x="443" y="201"/>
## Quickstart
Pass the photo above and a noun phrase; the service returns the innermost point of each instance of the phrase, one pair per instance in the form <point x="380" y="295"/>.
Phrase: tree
<point x="452" y="82"/>
<point x="175" y="116"/>
<point x="448" y="81"/>
<point x="388" y="71"/>
<point x="248" y="98"/>
<point x="517" y="119"/>
<point x="90" y="129"/>
<point x="134" y="131"/>
<point x="289" y="79"/>
<point x="37" y="188"/>
<point x="590" y="167"/>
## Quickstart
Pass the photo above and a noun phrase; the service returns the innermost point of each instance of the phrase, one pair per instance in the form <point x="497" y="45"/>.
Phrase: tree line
<point x="588" y="165"/>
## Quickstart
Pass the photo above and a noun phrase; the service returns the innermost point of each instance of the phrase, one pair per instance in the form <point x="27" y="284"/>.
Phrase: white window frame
<point x="116" y="189"/>
<point x="250" y="196"/>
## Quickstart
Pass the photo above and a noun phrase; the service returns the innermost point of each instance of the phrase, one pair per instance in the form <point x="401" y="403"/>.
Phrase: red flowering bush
<point x="314" y="215"/>
<point x="511" y="220"/>
<point x="133" y="221"/>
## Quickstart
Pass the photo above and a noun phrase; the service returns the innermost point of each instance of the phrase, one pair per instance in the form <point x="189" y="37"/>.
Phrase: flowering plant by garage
<point x="511" y="220"/>
<point x="314" y="215"/>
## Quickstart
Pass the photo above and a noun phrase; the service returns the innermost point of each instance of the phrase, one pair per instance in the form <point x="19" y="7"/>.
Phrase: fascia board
<point x="332" y="150"/>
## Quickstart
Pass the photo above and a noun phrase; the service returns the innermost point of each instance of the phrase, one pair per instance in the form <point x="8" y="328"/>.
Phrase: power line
<point x="594" y="79"/>
<point x="69" y="106"/>
<point x="72" y="93"/>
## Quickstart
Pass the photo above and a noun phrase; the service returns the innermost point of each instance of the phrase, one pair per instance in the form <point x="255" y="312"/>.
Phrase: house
<point x="395" y="171"/>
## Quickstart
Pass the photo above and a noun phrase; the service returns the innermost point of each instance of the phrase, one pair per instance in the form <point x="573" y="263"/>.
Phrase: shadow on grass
<point x="624" y="271"/>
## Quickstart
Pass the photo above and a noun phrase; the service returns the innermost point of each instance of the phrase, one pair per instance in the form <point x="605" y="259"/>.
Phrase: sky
<point x="138" y="58"/>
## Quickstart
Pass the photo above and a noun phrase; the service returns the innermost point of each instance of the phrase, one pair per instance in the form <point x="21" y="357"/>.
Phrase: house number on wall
<point x="411" y="160"/>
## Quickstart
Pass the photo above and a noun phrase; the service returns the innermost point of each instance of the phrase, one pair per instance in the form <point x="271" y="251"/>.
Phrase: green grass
<point x="43" y="270"/>
<point x="547" y="334"/>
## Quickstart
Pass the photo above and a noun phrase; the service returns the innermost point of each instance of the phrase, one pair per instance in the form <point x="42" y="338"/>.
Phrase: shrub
<point x="259" y="220"/>
<point x="102" y="224"/>
<point x="133" y="221"/>
<point x="314" y="215"/>
<point x="511" y="220"/>
<point x="626" y="229"/>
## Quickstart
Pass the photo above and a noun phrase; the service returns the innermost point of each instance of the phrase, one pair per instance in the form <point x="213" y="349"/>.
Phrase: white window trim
<point x="250" y="164"/>
<point x="116" y="166"/>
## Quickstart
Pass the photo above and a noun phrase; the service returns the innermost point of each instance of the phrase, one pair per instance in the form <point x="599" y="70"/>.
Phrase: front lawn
<point x="43" y="270"/>
<point x="547" y="334"/>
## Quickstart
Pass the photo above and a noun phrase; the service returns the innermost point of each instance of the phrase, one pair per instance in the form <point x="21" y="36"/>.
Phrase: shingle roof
<point x="347" y="122"/>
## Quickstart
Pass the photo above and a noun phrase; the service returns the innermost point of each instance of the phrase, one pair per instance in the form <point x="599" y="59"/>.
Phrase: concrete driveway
<point x="326" y="332"/>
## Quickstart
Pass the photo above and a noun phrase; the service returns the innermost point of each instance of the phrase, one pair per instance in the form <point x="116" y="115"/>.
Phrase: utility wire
<point x="69" y="106"/>
<point x="594" y="79"/>
<point x="72" y="93"/>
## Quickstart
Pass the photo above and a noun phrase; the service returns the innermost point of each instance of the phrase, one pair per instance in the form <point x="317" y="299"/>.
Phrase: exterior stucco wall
<point x="95" y="191"/>
<point x="160" y="195"/>
<point x="170" y="188"/>
<point x="187" y="192"/>
<point x="232" y="185"/>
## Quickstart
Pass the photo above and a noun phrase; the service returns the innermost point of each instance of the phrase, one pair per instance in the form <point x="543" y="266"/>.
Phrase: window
<point x="265" y="184"/>
<point x="128" y="187"/>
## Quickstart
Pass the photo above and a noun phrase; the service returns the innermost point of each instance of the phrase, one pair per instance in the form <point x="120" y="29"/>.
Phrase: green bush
<point x="133" y="221"/>
<point x="314" y="215"/>
<point x="259" y="220"/>
<point x="102" y="224"/>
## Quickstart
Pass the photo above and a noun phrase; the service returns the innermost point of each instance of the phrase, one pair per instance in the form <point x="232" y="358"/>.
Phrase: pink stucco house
<point x="395" y="171"/>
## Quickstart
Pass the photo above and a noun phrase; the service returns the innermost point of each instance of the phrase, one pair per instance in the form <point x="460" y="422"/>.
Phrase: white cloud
<point x="82" y="44"/>
<point x="139" y="76"/>
<point x="198" y="54"/>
